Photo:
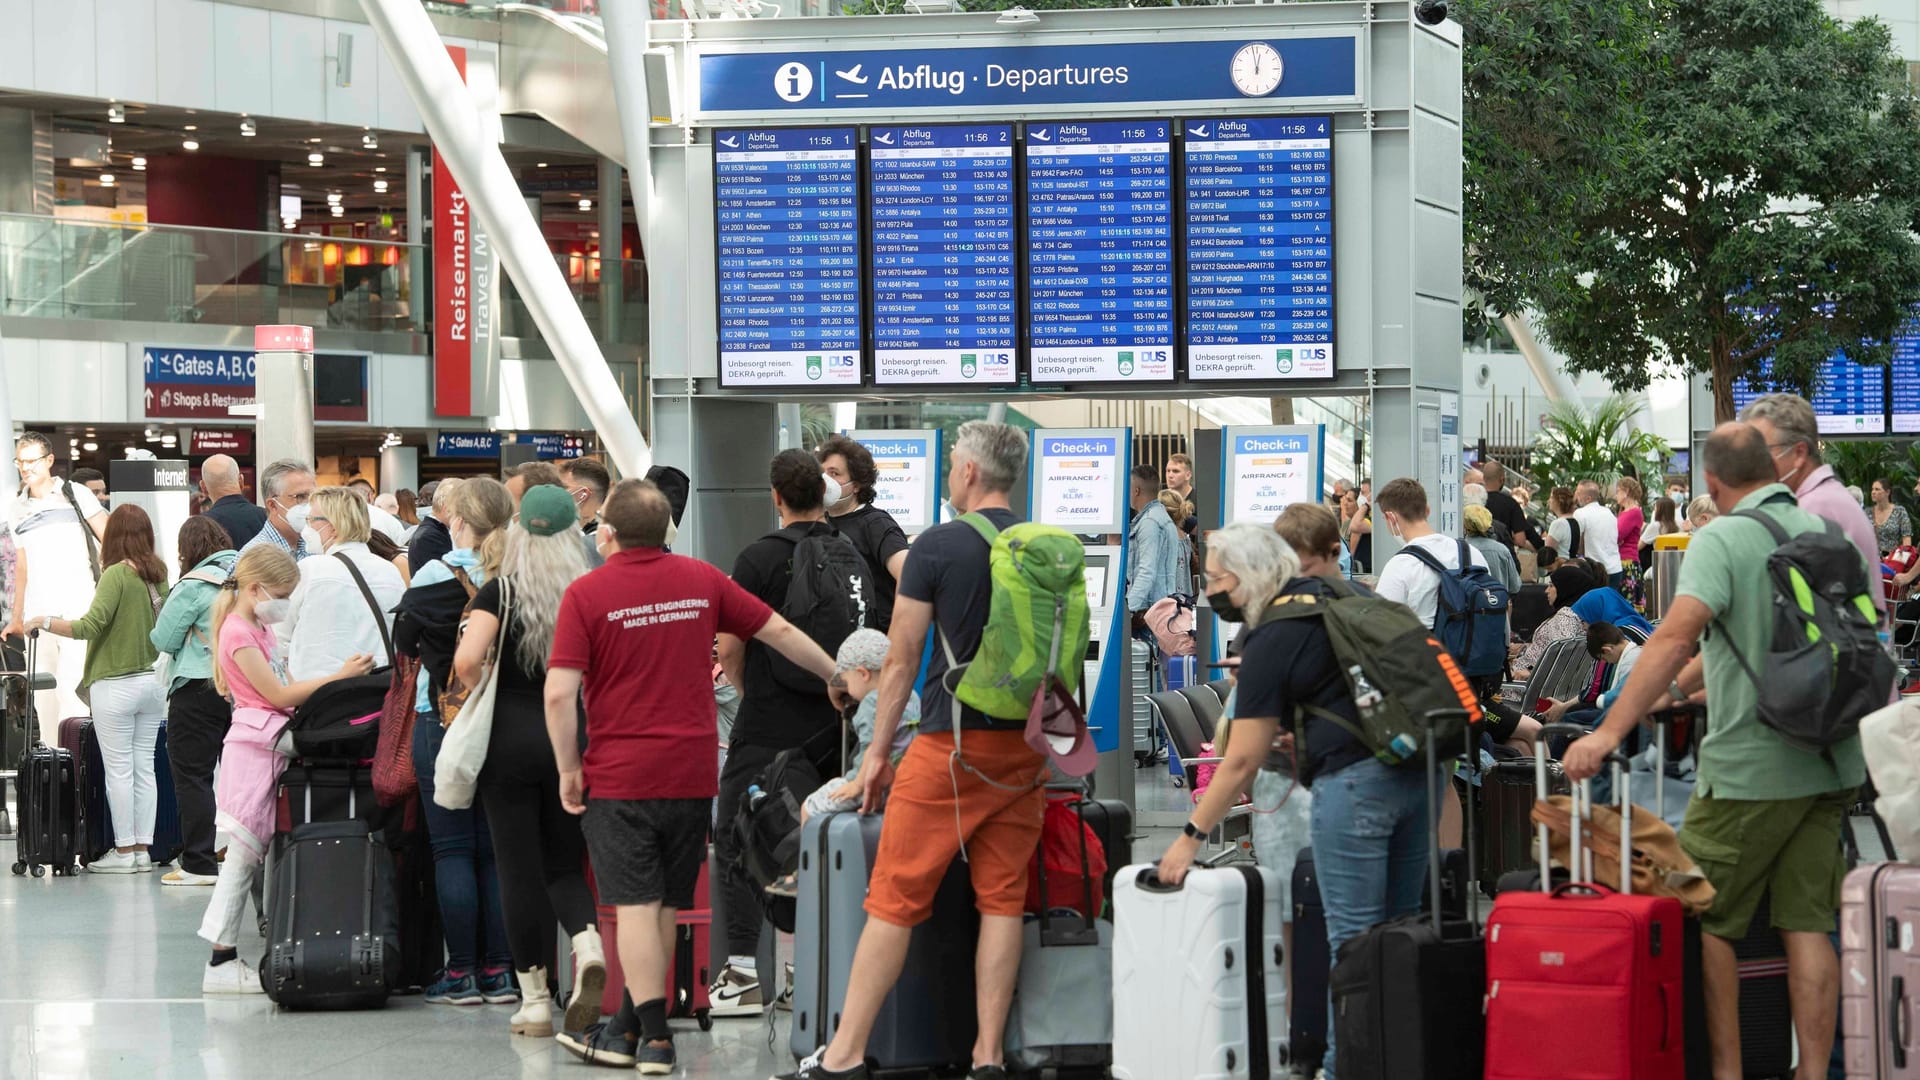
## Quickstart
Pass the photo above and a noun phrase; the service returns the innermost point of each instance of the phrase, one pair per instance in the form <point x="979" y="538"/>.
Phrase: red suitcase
<point x="1608" y="961"/>
<point x="688" y="977"/>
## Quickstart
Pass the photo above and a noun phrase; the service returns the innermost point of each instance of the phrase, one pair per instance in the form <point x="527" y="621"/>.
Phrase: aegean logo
<point x="793" y="82"/>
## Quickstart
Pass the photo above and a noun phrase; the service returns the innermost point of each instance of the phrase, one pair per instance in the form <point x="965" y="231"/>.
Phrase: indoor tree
<point x="1598" y="444"/>
<point x="1699" y="185"/>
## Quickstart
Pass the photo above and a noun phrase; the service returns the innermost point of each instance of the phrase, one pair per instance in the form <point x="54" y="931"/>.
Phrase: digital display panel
<point x="1100" y="251"/>
<point x="787" y="226"/>
<point x="1852" y="399"/>
<point x="1258" y="216"/>
<point x="1906" y="380"/>
<point x="944" y="288"/>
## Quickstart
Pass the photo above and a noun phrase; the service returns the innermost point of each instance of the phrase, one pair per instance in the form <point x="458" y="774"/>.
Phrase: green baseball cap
<point x="546" y="509"/>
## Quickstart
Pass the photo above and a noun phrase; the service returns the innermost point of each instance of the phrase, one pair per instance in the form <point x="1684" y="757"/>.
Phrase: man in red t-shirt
<point x="638" y="634"/>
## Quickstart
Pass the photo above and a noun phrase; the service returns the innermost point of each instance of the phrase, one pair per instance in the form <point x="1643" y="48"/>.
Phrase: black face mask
<point x="1223" y="606"/>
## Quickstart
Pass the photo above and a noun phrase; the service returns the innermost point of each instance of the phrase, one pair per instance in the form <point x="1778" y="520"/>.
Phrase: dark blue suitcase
<point x="167" y="838"/>
<point x="1308" y="967"/>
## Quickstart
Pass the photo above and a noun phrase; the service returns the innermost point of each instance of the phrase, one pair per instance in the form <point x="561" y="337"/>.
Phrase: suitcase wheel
<point x="20" y="868"/>
<point x="39" y="871"/>
<point x="705" y="1019"/>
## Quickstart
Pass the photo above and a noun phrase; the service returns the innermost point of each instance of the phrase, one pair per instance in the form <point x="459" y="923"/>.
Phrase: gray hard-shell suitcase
<point x="928" y="1021"/>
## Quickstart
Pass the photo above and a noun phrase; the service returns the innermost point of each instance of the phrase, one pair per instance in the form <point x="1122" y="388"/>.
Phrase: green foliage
<point x="1600" y="445"/>
<point x="1691" y="184"/>
<point x="1862" y="462"/>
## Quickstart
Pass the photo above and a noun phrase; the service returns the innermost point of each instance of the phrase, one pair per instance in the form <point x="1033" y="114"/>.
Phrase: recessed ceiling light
<point x="586" y="204"/>
<point x="333" y="197"/>
<point x="539" y="164"/>
<point x="106" y="179"/>
<point x="379" y="168"/>
<point x="89" y="447"/>
<point x="139" y="164"/>
<point x="116" y="114"/>
<point x="189" y="144"/>
<point x="380" y="186"/>
<point x="370" y="141"/>
<point x="191" y="127"/>
<point x="316" y="159"/>
<point x="313" y="140"/>
<point x="247" y="129"/>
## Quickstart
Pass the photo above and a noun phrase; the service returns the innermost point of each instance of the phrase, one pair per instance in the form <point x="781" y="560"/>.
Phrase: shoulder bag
<point x="86" y="530"/>
<point x="464" y="751"/>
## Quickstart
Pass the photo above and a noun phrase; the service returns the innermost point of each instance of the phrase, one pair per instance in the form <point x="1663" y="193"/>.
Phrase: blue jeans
<point x="1372" y="828"/>
<point x="471" y="916"/>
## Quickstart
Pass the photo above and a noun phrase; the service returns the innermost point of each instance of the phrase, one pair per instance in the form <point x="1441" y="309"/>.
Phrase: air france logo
<point x="793" y="82"/>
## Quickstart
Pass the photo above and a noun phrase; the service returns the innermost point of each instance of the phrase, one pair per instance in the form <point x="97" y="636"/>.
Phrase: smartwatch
<point x="1193" y="831"/>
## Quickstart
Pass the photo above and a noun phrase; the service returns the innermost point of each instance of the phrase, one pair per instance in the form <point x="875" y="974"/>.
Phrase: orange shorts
<point x="921" y="835"/>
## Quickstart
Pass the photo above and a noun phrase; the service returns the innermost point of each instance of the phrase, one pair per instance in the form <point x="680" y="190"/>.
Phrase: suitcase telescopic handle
<point x="1430" y="718"/>
<point x="1582" y="802"/>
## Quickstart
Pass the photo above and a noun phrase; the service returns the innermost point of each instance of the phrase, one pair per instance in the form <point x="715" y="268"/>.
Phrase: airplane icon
<point x="853" y="75"/>
<point x="730" y="142"/>
<point x="1043" y="134"/>
<point x="1199" y="129"/>
<point x="885" y="139"/>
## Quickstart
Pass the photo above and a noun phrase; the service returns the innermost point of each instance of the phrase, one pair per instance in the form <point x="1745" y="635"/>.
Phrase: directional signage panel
<point x="944" y="283"/>
<point x="1100" y="251"/>
<point x="787" y="225"/>
<point x="1258" y="212"/>
<point x="958" y="80"/>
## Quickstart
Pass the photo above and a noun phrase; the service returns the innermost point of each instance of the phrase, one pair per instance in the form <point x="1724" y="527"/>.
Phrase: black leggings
<point x="1502" y="720"/>
<point x="539" y="853"/>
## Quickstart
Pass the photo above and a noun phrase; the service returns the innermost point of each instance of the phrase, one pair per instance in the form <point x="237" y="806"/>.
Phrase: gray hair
<point x="1255" y="554"/>
<point x="1473" y="495"/>
<point x="1858" y="495"/>
<point x="443" y="495"/>
<point x="998" y="450"/>
<point x="273" y="478"/>
<point x="1791" y="416"/>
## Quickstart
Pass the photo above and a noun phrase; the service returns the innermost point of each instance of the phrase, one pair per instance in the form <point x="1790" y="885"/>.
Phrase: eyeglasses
<point x="1215" y="579"/>
<point x="28" y="462"/>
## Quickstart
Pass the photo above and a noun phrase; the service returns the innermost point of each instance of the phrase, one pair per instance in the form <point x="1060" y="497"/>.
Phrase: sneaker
<point x="736" y="993"/>
<point x="600" y="1045"/>
<point x="115" y="862"/>
<point x="784" y="1003"/>
<point x="656" y="1058"/>
<point x="498" y="988"/>
<point x="811" y="1068"/>
<point x="987" y="1072"/>
<point x="235" y="976"/>
<point x="142" y="862"/>
<point x="187" y="877"/>
<point x="455" y="991"/>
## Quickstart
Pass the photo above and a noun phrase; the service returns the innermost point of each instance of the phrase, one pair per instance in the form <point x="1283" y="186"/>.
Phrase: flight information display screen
<point x="943" y="258"/>
<point x="787" y="226"/>
<point x="1100" y="251"/>
<point x="1852" y="399"/>
<point x="1258" y="211"/>
<point x="1906" y="380"/>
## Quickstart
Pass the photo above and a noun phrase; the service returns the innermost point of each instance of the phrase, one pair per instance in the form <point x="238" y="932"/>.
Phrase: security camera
<point x="1431" y="12"/>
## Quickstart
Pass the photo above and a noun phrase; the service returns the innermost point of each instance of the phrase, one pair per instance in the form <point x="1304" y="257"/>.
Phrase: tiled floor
<point x="100" y="978"/>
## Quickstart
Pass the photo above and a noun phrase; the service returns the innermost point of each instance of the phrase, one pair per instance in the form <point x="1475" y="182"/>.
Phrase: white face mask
<point x="834" y="492"/>
<point x="272" y="611"/>
<point x="297" y="517"/>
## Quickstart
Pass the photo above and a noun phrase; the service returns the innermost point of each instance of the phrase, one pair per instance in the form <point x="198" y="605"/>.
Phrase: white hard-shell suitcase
<point x="1198" y="990"/>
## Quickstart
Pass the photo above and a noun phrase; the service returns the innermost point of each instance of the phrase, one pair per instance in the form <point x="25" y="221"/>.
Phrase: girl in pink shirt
<point x="252" y="600"/>
<point x="1627" y="494"/>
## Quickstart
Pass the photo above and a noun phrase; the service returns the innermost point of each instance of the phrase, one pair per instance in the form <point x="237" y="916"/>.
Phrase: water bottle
<point x="755" y="797"/>
<point x="1365" y="697"/>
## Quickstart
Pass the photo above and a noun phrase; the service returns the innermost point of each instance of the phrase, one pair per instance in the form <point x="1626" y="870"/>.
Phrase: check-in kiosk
<point x="1078" y="481"/>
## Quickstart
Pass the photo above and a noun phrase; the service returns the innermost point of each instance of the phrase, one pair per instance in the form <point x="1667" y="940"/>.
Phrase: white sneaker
<point x="236" y="976"/>
<point x="178" y="876"/>
<point x="142" y="862"/>
<point x="115" y="862"/>
<point x="736" y="993"/>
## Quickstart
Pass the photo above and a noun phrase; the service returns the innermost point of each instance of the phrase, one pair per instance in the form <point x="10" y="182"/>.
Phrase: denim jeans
<point x="463" y="869"/>
<point x="1372" y="830"/>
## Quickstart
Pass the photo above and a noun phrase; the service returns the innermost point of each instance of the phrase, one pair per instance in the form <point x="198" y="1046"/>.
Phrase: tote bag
<point x="464" y="751"/>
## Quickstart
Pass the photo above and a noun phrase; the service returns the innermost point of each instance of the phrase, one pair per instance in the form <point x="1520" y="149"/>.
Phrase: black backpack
<point x="1825" y="668"/>
<point x="829" y="597"/>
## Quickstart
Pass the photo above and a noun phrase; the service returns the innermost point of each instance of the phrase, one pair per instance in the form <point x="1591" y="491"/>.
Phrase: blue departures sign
<point x="1259" y="239"/>
<point x="1295" y="70"/>
<point x="1851" y="400"/>
<point x="943" y="253"/>
<point x="787" y="224"/>
<point x="1100" y="243"/>
<point x="1906" y="380"/>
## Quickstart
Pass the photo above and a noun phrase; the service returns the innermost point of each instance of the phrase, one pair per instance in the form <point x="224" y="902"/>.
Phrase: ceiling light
<point x="316" y="159"/>
<point x="313" y="140"/>
<point x="333" y="198"/>
<point x="370" y="141"/>
<point x="89" y="447"/>
<point x="586" y="204"/>
<point x="106" y="179"/>
<point x="379" y="168"/>
<point x="247" y="129"/>
<point x="539" y="164"/>
<point x="139" y="164"/>
<point x="189" y="144"/>
<point x="380" y="186"/>
<point x="191" y="127"/>
<point x="338" y="210"/>
<point x="116" y="114"/>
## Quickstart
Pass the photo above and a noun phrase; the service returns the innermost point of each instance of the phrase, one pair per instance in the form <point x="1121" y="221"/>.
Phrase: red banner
<point x="452" y="285"/>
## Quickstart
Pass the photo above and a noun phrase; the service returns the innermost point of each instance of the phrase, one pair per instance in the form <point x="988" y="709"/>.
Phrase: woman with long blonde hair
<point x="251" y="603"/>
<point x="536" y="843"/>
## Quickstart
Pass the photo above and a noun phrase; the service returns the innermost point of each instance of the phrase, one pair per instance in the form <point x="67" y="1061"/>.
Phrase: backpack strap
<point x="86" y="529"/>
<point x="988" y="530"/>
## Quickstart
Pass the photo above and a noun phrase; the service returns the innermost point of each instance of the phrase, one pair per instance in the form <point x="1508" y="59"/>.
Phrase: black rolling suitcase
<point x="1307" y="968"/>
<point x="1112" y="821"/>
<point x="1407" y="994"/>
<point x="53" y="821"/>
<point x="333" y="925"/>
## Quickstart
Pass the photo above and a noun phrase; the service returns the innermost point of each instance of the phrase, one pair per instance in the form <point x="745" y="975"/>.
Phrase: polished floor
<point x="100" y="978"/>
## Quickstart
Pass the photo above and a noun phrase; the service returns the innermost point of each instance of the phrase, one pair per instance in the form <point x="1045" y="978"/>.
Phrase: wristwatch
<point x="1193" y="831"/>
<point x="1674" y="692"/>
<point x="46" y="623"/>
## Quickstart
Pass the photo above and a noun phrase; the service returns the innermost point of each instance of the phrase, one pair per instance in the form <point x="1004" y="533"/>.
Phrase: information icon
<point x="793" y="82"/>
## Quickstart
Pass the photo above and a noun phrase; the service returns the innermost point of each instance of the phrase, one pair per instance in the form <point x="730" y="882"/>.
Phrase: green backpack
<point x="1036" y="622"/>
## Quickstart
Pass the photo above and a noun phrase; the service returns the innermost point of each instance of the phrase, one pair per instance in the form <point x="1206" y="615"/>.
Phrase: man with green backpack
<point x="1006" y="602"/>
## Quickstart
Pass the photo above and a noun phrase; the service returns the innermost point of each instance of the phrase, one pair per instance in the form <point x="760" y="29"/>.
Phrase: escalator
<point x="554" y="65"/>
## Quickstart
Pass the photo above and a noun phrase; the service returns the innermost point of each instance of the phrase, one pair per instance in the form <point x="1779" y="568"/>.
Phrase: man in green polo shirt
<point x="1765" y="817"/>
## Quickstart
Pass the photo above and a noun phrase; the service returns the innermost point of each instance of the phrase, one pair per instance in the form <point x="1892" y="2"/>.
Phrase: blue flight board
<point x="1100" y="251"/>
<point x="1259" y="241"/>
<point x="787" y="225"/>
<point x="1906" y="379"/>
<point x="1851" y="400"/>
<point x="944" y="277"/>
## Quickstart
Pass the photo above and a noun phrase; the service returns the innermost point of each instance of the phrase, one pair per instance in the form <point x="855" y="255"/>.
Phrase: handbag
<point x="464" y="750"/>
<point x="454" y="697"/>
<point x="338" y="720"/>
<point x="393" y="776"/>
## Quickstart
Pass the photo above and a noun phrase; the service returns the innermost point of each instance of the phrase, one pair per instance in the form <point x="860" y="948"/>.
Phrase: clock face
<point x="1256" y="69"/>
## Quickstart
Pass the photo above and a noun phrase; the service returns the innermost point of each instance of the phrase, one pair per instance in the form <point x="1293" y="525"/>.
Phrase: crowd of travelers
<point x="610" y="651"/>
